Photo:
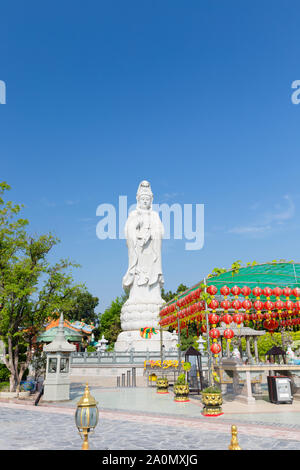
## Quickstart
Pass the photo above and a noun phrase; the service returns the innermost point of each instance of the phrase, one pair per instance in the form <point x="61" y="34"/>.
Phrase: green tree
<point x="190" y="338"/>
<point x="31" y="289"/>
<point x="83" y="308"/>
<point x="167" y="296"/>
<point x="110" y="321"/>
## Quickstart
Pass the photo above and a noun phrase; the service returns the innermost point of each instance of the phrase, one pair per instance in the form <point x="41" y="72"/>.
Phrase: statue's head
<point x="144" y="195"/>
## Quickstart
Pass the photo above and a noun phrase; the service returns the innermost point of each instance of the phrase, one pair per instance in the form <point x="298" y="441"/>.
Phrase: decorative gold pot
<point x="181" y="392"/>
<point x="162" y="385"/>
<point x="212" y="403"/>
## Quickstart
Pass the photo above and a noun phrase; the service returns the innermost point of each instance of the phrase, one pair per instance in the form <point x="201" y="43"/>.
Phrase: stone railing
<point x="132" y="357"/>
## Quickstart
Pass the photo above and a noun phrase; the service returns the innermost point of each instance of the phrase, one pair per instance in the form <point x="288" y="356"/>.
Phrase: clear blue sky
<point x="193" y="96"/>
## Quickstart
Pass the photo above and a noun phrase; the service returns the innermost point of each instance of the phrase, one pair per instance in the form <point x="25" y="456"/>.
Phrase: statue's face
<point x="144" y="201"/>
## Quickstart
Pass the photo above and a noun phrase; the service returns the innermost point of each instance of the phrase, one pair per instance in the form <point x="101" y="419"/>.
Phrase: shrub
<point x="211" y="390"/>
<point x="181" y="380"/>
<point x="4" y="386"/>
<point x="4" y="373"/>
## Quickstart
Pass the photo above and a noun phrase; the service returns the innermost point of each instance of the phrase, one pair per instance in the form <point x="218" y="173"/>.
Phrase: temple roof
<point x="59" y="342"/>
<point x="73" y="331"/>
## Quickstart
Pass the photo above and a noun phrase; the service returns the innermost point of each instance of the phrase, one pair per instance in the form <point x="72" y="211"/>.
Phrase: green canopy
<point x="262" y="275"/>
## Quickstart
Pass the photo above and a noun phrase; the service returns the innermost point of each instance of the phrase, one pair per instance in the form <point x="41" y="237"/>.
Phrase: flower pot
<point x="162" y="385"/>
<point x="212" y="404"/>
<point x="181" y="393"/>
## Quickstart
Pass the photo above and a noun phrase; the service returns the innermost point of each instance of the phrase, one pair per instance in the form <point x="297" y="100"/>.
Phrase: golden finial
<point x="234" y="444"/>
<point x="87" y="399"/>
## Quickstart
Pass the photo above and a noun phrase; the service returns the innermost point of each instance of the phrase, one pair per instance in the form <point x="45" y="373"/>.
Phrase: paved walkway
<point x="128" y="421"/>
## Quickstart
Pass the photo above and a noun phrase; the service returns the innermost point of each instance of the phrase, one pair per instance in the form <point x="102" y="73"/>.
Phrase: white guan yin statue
<point x="144" y="278"/>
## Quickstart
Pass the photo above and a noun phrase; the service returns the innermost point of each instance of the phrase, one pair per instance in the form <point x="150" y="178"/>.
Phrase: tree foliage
<point x="83" y="308"/>
<point x="167" y="296"/>
<point x="110" y="321"/>
<point x="31" y="288"/>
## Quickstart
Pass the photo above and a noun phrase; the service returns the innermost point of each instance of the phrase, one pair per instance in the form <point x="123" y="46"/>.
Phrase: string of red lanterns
<point x="271" y="314"/>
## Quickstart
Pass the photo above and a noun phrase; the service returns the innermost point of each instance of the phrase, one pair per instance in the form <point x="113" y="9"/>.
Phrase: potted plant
<point x="162" y="385"/>
<point x="212" y="401"/>
<point x="181" y="389"/>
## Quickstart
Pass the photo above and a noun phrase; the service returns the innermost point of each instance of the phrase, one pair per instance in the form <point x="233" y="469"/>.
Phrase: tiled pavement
<point x="52" y="426"/>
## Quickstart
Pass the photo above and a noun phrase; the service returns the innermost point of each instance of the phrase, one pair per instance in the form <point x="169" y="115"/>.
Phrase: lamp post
<point x="86" y="416"/>
<point x="209" y="356"/>
<point x="201" y="343"/>
<point x="101" y="347"/>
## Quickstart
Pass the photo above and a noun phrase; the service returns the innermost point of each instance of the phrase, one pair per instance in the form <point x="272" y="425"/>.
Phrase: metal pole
<point x="128" y="378"/>
<point x="207" y="340"/>
<point x="161" y="348"/>
<point x="134" y="377"/>
<point x="123" y="380"/>
<point x="179" y="347"/>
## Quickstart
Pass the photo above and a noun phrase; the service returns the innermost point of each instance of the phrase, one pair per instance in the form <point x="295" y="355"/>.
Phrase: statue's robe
<point x="144" y="231"/>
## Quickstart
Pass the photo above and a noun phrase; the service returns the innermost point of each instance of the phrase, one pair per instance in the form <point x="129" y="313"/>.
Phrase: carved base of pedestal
<point x="136" y="314"/>
<point x="132" y="339"/>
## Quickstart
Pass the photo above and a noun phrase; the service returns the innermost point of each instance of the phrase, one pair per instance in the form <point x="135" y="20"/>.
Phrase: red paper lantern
<point x="212" y="290"/>
<point x="214" y="333"/>
<point x="214" y="304"/>
<point x="289" y="305"/>
<point x="236" y="304"/>
<point x="225" y="290"/>
<point x="271" y="325"/>
<point x="226" y="304"/>
<point x="258" y="305"/>
<point x="246" y="291"/>
<point x="228" y="333"/>
<point x="238" y="318"/>
<point x="287" y="291"/>
<point x="253" y="316"/>
<point x="227" y="319"/>
<point x="215" y="348"/>
<point x="296" y="292"/>
<point x="235" y="290"/>
<point x="213" y="318"/>
<point x="279" y="304"/>
<point x="268" y="305"/>
<point x="257" y="291"/>
<point x="247" y="304"/>
<point x="297" y="305"/>
<point x="267" y="291"/>
<point x="277" y="291"/>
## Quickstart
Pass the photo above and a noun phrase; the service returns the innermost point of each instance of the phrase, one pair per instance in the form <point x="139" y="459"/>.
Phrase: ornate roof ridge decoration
<point x="76" y="326"/>
<point x="60" y="343"/>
